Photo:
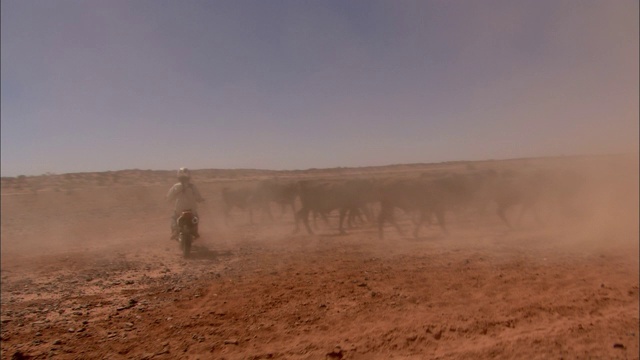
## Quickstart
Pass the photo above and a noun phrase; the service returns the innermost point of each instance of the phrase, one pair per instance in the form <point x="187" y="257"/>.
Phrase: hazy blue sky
<point x="158" y="84"/>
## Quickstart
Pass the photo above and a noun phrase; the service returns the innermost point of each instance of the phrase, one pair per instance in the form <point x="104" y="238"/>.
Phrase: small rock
<point x="336" y="353"/>
<point x="56" y="342"/>
<point x="18" y="355"/>
<point x="164" y="351"/>
<point x="231" y="342"/>
<point x="618" y="346"/>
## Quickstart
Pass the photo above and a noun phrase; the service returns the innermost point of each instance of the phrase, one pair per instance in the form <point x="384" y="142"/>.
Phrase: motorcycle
<point x="187" y="229"/>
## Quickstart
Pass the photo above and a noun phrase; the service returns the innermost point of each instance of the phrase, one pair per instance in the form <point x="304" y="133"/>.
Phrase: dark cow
<point x="241" y="198"/>
<point x="509" y="190"/>
<point x="282" y="193"/>
<point x="559" y="190"/>
<point x="425" y="197"/>
<point x="412" y="196"/>
<point x="322" y="197"/>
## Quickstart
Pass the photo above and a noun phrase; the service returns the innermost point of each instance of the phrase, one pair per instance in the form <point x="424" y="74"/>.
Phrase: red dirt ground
<point x="91" y="274"/>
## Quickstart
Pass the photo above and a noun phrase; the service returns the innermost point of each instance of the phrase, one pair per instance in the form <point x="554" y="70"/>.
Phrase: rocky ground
<point x="91" y="274"/>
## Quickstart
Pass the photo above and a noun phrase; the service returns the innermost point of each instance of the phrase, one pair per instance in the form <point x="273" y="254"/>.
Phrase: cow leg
<point x="381" y="218"/>
<point x="523" y="210"/>
<point x="293" y="208"/>
<point x="386" y="214"/>
<point x="441" y="220"/>
<point x="531" y="208"/>
<point x="395" y="224"/>
<point x="267" y="208"/>
<point x="360" y="216"/>
<point x="536" y="214"/>
<point x="350" y="218"/>
<point x="421" y="217"/>
<point x="304" y="215"/>
<point x="227" y="214"/>
<point x="416" y="219"/>
<point x="324" y="217"/>
<point x="368" y="213"/>
<point x="354" y="215"/>
<point x="296" y="220"/>
<point x="502" y="209"/>
<point x="343" y="213"/>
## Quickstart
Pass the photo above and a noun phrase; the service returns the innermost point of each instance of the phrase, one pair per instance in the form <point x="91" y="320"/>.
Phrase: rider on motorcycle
<point x="186" y="197"/>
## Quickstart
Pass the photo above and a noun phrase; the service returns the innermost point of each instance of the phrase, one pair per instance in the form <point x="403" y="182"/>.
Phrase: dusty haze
<point x="492" y="117"/>
<point x="88" y="271"/>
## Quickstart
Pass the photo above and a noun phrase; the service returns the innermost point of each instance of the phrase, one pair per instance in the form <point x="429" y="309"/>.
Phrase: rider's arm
<point x="196" y="192"/>
<point x="173" y="192"/>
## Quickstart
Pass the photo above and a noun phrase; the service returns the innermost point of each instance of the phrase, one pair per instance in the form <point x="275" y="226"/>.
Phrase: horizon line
<point x="340" y="167"/>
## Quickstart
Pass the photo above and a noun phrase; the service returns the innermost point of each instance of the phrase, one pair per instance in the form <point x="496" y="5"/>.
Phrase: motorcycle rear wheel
<point x="185" y="244"/>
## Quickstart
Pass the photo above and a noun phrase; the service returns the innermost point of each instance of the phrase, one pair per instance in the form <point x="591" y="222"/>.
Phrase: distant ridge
<point x="338" y="169"/>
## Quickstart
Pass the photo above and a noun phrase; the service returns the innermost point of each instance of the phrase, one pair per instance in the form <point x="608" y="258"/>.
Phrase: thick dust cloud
<point x="583" y="201"/>
<point x="88" y="257"/>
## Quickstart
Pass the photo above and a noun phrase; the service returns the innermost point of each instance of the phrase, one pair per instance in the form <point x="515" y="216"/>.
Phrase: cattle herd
<point x="426" y="198"/>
